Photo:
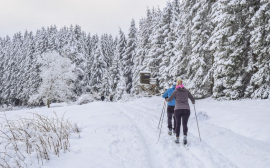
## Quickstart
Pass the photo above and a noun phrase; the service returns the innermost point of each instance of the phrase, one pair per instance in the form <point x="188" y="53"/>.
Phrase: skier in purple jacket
<point x="181" y="110"/>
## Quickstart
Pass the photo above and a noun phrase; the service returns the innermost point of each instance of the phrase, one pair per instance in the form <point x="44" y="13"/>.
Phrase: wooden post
<point x="48" y="103"/>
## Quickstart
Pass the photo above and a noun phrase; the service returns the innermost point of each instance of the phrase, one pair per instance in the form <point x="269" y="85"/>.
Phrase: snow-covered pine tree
<point x="148" y="28"/>
<point x="142" y="49"/>
<point x="200" y="59"/>
<point x="32" y="77"/>
<point x="260" y="39"/>
<point x="4" y="69"/>
<point x="139" y="56"/>
<point x="23" y="73"/>
<point x="88" y="62"/>
<point x="169" y="23"/>
<point x="121" y="87"/>
<point x="120" y="49"/>
<point x="87" y="46"/>
<point x="153" y="20"/>
<point x="111" y="47"/>
<point x="122" y="43"/>
<point x="98" y="69"/>
<point x="57" y="75"/>
<point x="182" y="47"/>
<point x="90" y="59"/>
<point x="230" y="47"/>
<point x="80" y="39"/>
<point x="156" y="39"/>
<point x="74" y="50"/>
<point x="127" y="59"/>
<point x="175" y="20"/>
<point x="52" y="38"/>
<point x="105" y="85"/>
<point x="14" y="69"/>
<point x="117" y="76"/>
<point x="115" y="68"/>
<point x="107" y="48"/>
<point x="41" y="41"/>
<point x="62" y="39"/>
<point x="2" y="58"/>
<point x="169" y="41"/>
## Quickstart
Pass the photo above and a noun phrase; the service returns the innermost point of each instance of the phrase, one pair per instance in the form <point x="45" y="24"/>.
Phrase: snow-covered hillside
<point x="124" y="134"/>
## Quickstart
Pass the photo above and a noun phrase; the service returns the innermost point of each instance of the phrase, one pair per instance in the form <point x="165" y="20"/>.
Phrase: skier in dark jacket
<point x="181" y="110"/>
<point x="111" y="98"/>
<point x="170" y="109"/>
<point x="102" y="97"/>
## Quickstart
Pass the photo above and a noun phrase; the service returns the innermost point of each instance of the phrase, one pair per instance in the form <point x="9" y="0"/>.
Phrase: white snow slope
<point x="124" y="135"/>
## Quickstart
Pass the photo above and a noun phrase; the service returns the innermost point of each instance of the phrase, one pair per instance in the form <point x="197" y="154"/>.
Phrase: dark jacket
<point x="181" y="96"/>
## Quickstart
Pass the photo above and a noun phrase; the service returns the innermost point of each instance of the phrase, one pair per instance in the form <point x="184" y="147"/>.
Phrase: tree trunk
<point x="48" y="103"/>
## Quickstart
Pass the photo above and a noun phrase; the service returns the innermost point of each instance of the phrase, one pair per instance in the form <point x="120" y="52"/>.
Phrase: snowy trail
<point x="221" y="147"/>
<point x="191" y="158"/>
<point x="125" y="134"/>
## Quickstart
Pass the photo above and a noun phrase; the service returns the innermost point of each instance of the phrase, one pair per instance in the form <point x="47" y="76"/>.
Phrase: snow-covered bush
<point x="202" y="115"/>
<point x="57" y="74"/>
<point x="83" y="99"/>
<point x="96" y="95"/>
<point x="5" y="107"/>
<point x="128" y="97"/>
<point x="39" y="136"/>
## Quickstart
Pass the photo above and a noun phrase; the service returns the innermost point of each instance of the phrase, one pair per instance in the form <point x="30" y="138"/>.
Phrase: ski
<point x="181" y="144"/>
<point x="186" y="146"/>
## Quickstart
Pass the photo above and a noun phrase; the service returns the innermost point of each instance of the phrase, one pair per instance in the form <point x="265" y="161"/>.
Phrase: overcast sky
<point x="94" y="16"/>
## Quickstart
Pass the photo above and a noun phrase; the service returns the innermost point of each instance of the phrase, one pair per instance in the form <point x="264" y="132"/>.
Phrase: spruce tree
<point x="230" y="47"/>
<point x="127" y="59"/>
<point x="139" y="57"/>
<point x="260" y="39"/>
<point x="98" y="69"/>
<point x="182" y="46"/>
<point x="200" y="60"/>
<point x="122" y="44"/>
<point x="115" y="68"/>
<point x="169" y="23"/>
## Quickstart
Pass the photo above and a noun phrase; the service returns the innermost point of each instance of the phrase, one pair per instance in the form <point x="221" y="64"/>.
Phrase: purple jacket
<point x="181" y="96"/>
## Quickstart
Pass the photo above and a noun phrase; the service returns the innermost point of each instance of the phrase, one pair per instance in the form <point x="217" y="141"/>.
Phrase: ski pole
<point x="161" y="114"/>
<point x="197" y="123"/>
<point x="161" y="126"/>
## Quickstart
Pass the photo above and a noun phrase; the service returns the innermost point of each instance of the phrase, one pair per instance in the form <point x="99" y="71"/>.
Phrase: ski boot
<point x="170" y="131"/>
<point x="185" y="140"/>
<point x="176" y="140"/>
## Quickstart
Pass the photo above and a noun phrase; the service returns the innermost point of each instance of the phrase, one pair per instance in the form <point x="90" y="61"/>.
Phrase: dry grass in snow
<point x="24" y="140"/>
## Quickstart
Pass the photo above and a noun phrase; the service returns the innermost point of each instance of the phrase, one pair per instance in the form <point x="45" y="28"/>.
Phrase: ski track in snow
<point x="125" y="134"/>
<point x="191" y="158"/>
<point x="134" y="142"/>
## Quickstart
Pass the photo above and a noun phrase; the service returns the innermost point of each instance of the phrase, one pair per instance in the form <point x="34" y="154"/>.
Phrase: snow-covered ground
<point x="124" y="134"/>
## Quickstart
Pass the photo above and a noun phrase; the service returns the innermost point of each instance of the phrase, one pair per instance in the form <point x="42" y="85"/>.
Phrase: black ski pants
<point x="170" y="116"/>
<point x="184" y="115"/>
